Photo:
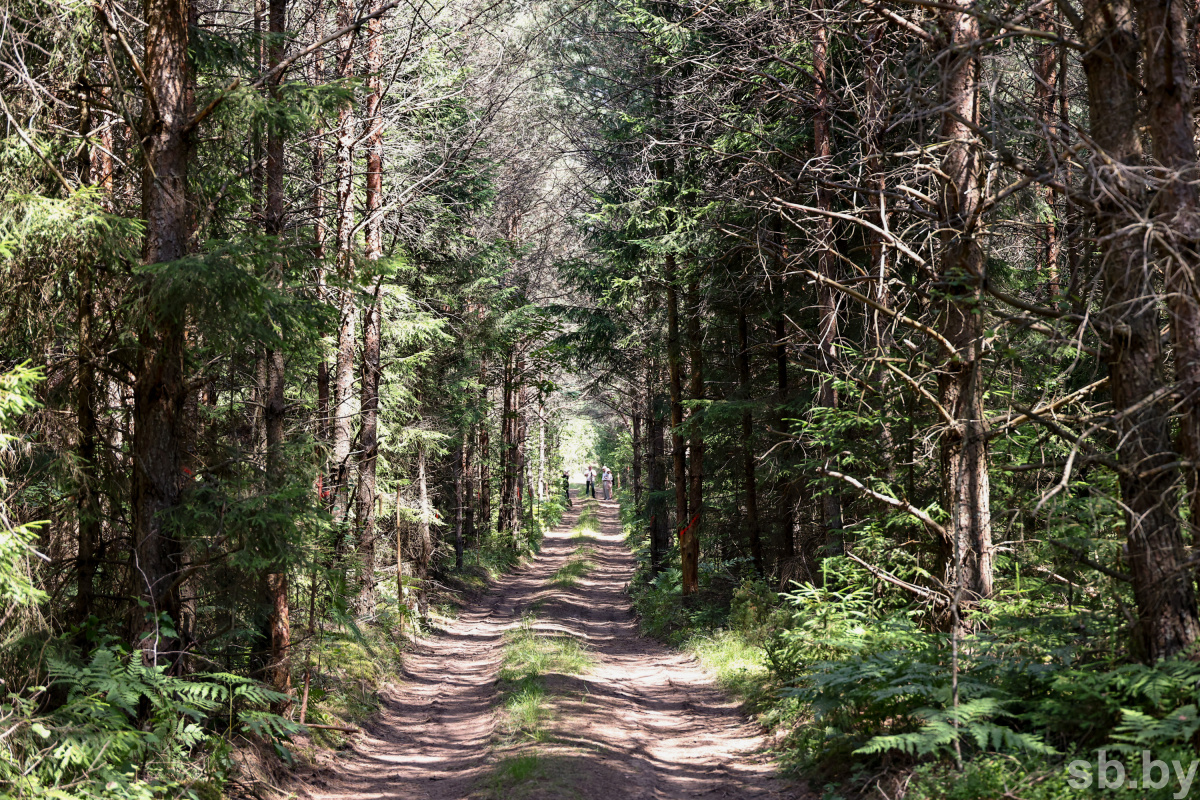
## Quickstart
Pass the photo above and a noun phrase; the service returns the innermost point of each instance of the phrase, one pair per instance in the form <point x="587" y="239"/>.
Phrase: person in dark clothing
<point x="567" y="488"/>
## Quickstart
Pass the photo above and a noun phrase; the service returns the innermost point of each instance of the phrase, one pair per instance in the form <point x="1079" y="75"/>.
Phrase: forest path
<point x="642" y="722"/>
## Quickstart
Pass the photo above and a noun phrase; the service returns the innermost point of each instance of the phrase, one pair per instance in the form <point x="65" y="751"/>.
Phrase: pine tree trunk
<point x="656" y="504"/>
<point x="484" y="524"/>
<point x="1170" y="109"/>
<point x="317" y="78"/>
<point x="785" y="485"/>
<point x="635" y="433"/>
<point x="460" y="474"/>
<point x="1166" y="602"/>
<point x="1045" y="85"/>
<point x="373" y="250"/>
<point x="343" y="376"/>
<point x="753" y="531"/>
<point x="87" y="561"/>
<point x="504" y="512"/>
<point x="424" y="552"/>
<point x="469" y="490"/>
<point x="675" y="368"/>
<point x="831" y="502"/>
<point x="964" y="449"/>
<point x="279" y="626"/>
<point x="689" y="542"/>
<point x="159" y="388"/>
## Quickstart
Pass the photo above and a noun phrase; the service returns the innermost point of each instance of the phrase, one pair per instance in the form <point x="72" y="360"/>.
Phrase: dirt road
<point x="642" y="722"/>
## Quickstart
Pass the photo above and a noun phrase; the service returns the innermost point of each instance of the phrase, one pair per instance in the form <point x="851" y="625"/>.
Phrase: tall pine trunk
<point x="1170" y="109"/>
<point x="159" y="388"/>
<point x="964" y="449"/>
<point x="753" y="531"/>
<point x="827" y="334"/>
<point x="343" y="375"/>
<point x="276" y="581"/>
<point x="689" y="542"/>
<point x="1163" y="591"/>
<point x="373" y="250"/>
<point x="675" y="372"/>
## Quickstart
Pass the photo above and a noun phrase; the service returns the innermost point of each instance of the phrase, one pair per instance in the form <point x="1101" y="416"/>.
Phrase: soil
<point x="644" y="722"/>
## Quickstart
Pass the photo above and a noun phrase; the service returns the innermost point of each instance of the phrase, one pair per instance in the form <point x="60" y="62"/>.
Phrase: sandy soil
<point x="644" y="722"/>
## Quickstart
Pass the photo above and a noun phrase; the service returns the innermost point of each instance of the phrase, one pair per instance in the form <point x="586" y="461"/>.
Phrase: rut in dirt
<point x="642" y="722"/>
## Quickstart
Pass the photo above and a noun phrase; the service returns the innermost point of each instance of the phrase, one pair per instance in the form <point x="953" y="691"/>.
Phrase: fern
<point x="944" y="727"/>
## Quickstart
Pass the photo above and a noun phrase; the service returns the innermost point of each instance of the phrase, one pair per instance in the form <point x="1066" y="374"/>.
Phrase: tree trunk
<point x="276" y="581"/>
<point x="460" y="474"/>
<point x="785" y="487"/>
<point x="1163" y="591"/>
<point x="1163" y="28"/>
<point x="520" y="431"/>
<point x="1045" y="85"/>
<point x="87" y="561"/>
<point x="831" y="501"/>
<point x="424" y="552"/>
<point x="469" y="490"/>
<point x="159" y="387"/>
<point x="485" y="477"/>
<point x="317" y="78"/>
<point x="656" y="505"/>
<point x="753" y="531"/>
<point x="635" y="433"/>
<point x="373" y="251"/>
<point x="689" y="540"/>
<point x="343" y="377"/>
<point x="507" y="482"/>
<point x="674" y="367"/>
<point x="964" y="449"/>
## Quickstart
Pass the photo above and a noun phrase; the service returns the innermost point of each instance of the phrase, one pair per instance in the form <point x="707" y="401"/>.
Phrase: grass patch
<point x="528" y="656"/>
<point x="531" y="775"/>
<point x="740" y="667"/>
<point x="580" y="564"/>
<point x="589" y="519"/>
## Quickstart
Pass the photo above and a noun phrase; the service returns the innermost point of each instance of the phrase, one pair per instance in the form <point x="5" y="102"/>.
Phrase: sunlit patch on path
<point x="544" y="689"/>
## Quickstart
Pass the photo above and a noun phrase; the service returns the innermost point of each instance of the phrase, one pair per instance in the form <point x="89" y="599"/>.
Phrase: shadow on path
<point x="643" y="722"/>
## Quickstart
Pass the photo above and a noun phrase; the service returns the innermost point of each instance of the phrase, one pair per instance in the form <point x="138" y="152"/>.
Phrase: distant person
<point x="589" y="488"/>
<point x="607" y="479"/>
<point x="567" y="488"/>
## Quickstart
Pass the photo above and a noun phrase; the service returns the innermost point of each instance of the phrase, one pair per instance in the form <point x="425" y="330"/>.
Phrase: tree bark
<point x="460" y="474"/>
<point x="343" y="377"/>
<point x="674" y="369"/>
<point x="485" y="477"/>
<point x="753" y="531"/>
<point x="831" y="501"/>
<point x="1163" y="28"/>
<point x="689" y="540"/>
<point x="635" y="433"/>
<point x="469" y="490"/>
<point x="159" y="386"/>
<point x="424" y="542"/>
<point x="1166" y="602"/>
<point x="964" y="449"/>
<point x="279" y="626"/>
<point x="317" y="78"/>
<point x="373" y="251"/>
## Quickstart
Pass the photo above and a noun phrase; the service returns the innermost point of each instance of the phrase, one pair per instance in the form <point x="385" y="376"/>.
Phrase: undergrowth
<point x="857" y="685"/>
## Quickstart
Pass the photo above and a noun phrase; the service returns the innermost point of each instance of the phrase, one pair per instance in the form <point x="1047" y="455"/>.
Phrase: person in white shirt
<point x="608" y="482"/>
<point x="589" y="475"/>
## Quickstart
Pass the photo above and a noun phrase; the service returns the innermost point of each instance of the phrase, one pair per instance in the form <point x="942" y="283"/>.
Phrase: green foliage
<point x="130" y="730"/>
<point x="17" y="588"/>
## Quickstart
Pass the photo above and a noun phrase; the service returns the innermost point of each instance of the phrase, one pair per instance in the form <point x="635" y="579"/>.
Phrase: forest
<point x="884" y="314"/>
